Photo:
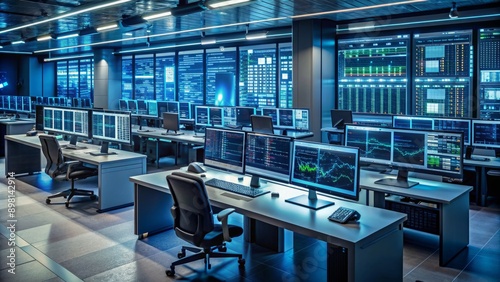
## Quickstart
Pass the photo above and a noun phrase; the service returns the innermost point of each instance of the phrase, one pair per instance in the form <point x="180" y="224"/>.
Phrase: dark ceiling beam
<point x="55" y="3"/>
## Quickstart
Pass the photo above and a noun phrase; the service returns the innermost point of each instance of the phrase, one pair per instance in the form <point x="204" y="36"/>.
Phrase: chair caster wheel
<point x="66" y="204"/>
<point x="93" y="197"/>
<point x="241" y="262"/>
<point x="47" y="201"/>
<point x="222" y="249"/>
<point x="181" y="254"/>
<point x="170" y="273"/>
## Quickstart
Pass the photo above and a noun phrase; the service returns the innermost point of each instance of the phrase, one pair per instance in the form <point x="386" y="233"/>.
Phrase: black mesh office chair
<point x="58" y="168"/>
<point x="194" y="222"/>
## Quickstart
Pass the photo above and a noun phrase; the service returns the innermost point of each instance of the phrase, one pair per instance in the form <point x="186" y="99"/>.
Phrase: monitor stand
<point x="104" y="150"/>
<point x="72" y="144"/>
<point x="255" y="181"/>
<point x="401" y="181"/>
<point x="310" y="201"/>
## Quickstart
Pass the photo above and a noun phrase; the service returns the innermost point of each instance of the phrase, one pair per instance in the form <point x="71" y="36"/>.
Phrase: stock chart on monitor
<point x="443" y="71"/>
<point x="489" y="73"/>
<point x="373" y="74"/>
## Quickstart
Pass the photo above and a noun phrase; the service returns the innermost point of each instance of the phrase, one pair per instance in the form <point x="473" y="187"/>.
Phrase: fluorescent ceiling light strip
<point x="43" y="38"/>
<point x="106" y="27"/>
<point x="67" y="57"/>
<point x="155" y="48"/>
<point x="258" y="35"/>
<point x="156" y="16"/>
<point x="157" y="35"/>
<point x="423" y="22"/>
<point x="16" y="52"/>
<point x="68" y="36"/>
<point x="226" y="3"/>
<point x="357" y="9"/>
<point x="65" y="15"/>
<point x="18" y="42"/>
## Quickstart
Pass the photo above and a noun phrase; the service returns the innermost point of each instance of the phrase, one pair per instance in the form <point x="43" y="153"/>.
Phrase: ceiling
<point x="258" y="14"/>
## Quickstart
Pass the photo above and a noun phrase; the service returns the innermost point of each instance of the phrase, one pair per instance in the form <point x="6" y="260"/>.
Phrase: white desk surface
<point x="427" y="190"/>
<point x="492" y="162"/>
<point x="82" y="154"/>
<point x="275" y="211"/>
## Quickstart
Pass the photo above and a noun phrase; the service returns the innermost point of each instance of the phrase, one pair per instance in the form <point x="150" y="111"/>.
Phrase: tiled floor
<point x="59" y="244"/>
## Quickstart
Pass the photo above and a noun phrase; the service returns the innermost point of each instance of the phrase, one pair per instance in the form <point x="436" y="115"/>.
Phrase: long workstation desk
<point x="189" y="137"/>
<point x="10" y="126"/>
<point x="433" y="207"/>
<point x="23" y="155"/>
<point x="481" y="167"/>
<point x="374" y="244"/>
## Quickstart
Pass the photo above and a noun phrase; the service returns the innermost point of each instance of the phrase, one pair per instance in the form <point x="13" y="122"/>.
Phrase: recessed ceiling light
<point x="226" y="3"/>
<point x="106" y="27"/>
<point x="156" y="16"/>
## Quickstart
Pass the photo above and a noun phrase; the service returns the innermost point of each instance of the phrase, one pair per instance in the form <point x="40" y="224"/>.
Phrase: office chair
<point x="71" y="170"/>
<point x="490" y="172"/>
<point x="194" y="222"/>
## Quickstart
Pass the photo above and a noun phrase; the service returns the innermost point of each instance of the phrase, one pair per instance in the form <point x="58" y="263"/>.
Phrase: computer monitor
<point x="372" y="119"/>
<point x="486" y="133"/>
<point x="171" y="123"/>
<point x="71" y="121"/>
<point x="152" y="108"/>
<point x="202" y="116"/>
<point x="412" y="122"/>
<point x="12" y="103"/>
<point x="243" y="116"/>
<point x="268" y="156"/>
<point x="132" y="106"/>
<point x="185" y="110"/>
<point x="262" y="124"/>
<point x="123" y="105"/>
<point x="455" y="124"/>
<point x="340" y="118"/>
<point x="324" y="168"/>
<point x="172" y="106"/>
<point x="273" y="113"/>
<point x="111" y="126"/>
<point x="39" y="117"/>
<point x="301" y="119"/>
<point x="142" y="108"/>
<point x="216" y="116"/>
<point x="286" y="119"/>
<point x="428" y="151"/>
<point x="225" y="149"/>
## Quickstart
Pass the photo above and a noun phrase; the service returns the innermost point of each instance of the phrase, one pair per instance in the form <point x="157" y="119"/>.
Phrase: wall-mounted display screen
<point x="144" y="77"/>
<point x="443" y="72"/>
<point x="191" y="74"/>
<point x="373" y="74"/>
<point x="489" y="73"/>
<point x="165" y="76"/>
<point x="257" y="83"/>
<point x="221" y="77"/>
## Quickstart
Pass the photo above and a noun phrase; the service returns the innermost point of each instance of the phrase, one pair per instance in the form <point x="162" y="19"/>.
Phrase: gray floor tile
<point x="28" y="272"/>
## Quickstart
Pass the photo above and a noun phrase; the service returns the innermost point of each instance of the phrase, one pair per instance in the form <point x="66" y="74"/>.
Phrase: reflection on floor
<point x="55" y="243"/>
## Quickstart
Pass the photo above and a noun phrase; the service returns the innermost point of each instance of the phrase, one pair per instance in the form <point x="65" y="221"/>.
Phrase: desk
<point x="114" y="189"/>
<point x="374" y="244"/>
<point x="452" y="202"/>
<point x="15" y="126"/>
<point x="481" y="169"/>
<point x="188" y="137"/>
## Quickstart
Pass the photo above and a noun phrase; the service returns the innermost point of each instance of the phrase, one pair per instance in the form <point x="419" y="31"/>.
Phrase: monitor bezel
<point x="62" y="131"/>
<point x="268" y="173"/>
<point x="220" y="164"/>
<point x="335" y="191"/>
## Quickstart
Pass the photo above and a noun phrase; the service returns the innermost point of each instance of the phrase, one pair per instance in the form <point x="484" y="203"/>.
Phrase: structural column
<point x="314" y="71"/>
<point x="107" y="79"/>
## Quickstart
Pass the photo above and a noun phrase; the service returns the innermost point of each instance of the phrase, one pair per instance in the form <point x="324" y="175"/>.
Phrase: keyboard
<point x="236" y="188"/>
<point x="343" y="215"/>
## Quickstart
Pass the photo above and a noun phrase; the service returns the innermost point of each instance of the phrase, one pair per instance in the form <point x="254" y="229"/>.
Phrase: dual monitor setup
<point x="101" y="125"/>
<point x="477" y="132"/>
<point x="17" y="104"/>
<point x="153" y="108"/>
<point x="316" y="166"/>
<point x="239" y="117"/>
<point x="62" y="102"/>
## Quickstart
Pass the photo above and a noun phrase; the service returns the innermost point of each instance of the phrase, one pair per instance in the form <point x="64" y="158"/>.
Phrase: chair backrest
<point x="192" y="212"/>
<point x="53" y="154"/>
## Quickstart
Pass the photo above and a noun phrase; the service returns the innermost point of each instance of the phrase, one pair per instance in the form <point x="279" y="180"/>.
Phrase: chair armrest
<point x="222" y="217"/>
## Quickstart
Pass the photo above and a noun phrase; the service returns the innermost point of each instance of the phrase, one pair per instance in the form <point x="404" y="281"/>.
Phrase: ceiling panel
<point x="20" y="12"/>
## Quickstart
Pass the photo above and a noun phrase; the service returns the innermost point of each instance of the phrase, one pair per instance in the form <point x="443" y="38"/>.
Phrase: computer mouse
<point x="196" y="168"/>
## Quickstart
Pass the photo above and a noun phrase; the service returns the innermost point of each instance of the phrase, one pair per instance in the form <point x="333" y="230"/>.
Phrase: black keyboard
<point x="236" y="188"/>
<point x="343" y="215"/>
